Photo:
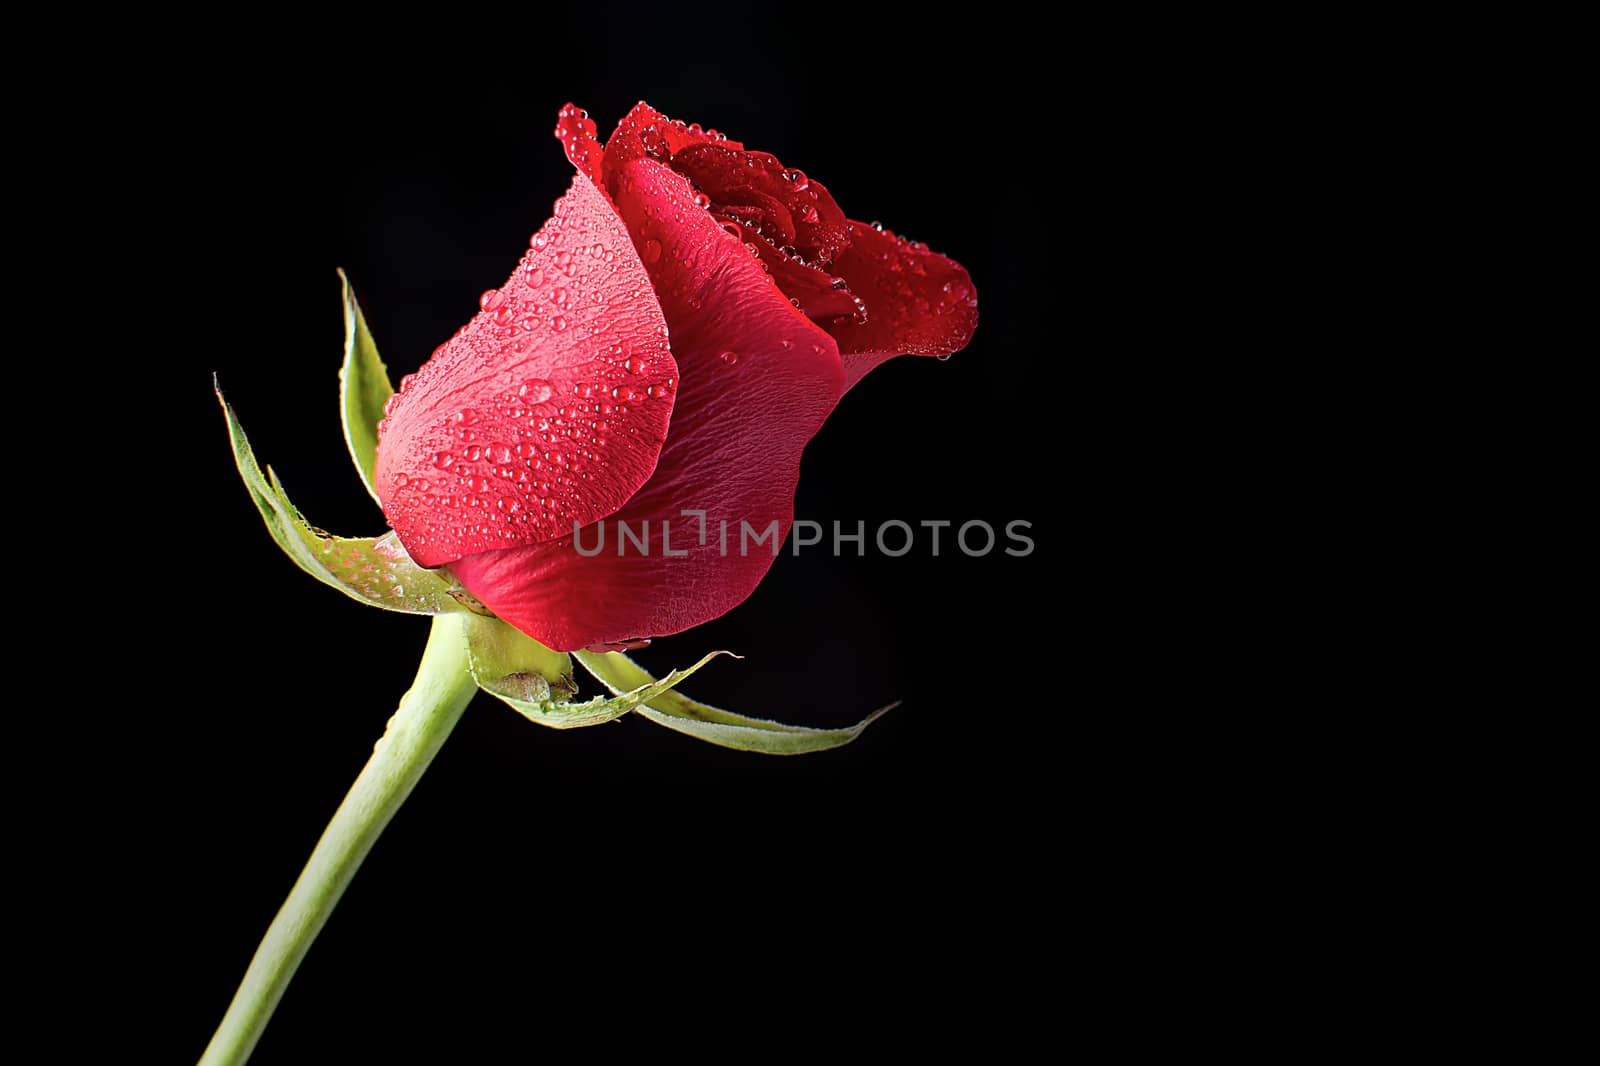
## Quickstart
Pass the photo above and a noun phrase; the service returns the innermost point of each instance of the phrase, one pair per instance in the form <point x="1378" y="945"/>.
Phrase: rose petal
<point x="738" y="431"/>
<point x="536" y="414"/>
<point x="576" y="132"/>
<point x="645" y="133"/>
<point x="877" y="294"/>
<point x="918" y="302"/>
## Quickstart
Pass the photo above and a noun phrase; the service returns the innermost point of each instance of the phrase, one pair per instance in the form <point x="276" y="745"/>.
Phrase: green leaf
<point x="677" y="711"/>
<point x="512" y="665"/>
<point x="374" y="570"/>
<point x="363" y="389"/>
<point x="598" y="710"/>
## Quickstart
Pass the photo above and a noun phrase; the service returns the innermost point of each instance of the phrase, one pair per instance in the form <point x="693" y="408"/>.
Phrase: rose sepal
<point x="364" y="388"/>
<point x="712" y="724"/>
<point x="374" y="570"/>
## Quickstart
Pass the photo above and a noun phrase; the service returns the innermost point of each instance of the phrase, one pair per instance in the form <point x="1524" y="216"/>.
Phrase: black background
<point x="542" y="885"/>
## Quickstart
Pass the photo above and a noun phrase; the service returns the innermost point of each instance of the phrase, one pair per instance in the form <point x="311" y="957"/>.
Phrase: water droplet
<point x="491" y="299"/>
<point x="702" y="200"/>
<point x="505" y="316"/>
<point x="625" y="394"/>
<point x="561" y="298"/>
<point x="508" y="504"/>
<point x="391" y="403"/>
<point x="444" y="460"/>
<point x="535" y="390"/>
<point x="538" y="240"/>
<point x="535" y="278"/>
<point x="729" y="358"/>
<point x="558" y="323"/>
<point x="655" y="392"/>
<point x="410" y="379"/>
<point x="464" y="417"/>
<point x="474" y="453"/>
<point x="786" y="345"/>
<point x="633" y="364"/>
<point x="652" y="251"/>
<point x="400" y="481"/>
<point x="525" y="450"/>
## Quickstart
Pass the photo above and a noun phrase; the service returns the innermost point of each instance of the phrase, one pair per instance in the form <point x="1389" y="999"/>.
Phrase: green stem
<point x="427" y="713"/>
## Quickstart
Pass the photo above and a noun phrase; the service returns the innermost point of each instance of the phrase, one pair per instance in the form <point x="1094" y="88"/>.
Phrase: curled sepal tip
<point x="602" y="709"/>
<point x="374" y="570"/>
<point x="363" y="389"/>
<point x="677" y="711"/>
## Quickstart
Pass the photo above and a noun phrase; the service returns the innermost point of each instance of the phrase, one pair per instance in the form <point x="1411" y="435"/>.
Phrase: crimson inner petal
<point x="788" y="220"/>
<point x="819" y="294"/>
<point x="787" y="208"/>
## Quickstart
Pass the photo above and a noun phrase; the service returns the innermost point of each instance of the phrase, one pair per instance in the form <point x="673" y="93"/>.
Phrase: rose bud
<point x="670" y="341"/>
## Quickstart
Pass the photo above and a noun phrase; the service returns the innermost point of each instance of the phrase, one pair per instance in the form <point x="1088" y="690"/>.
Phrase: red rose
<point x="675" y="335"/>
